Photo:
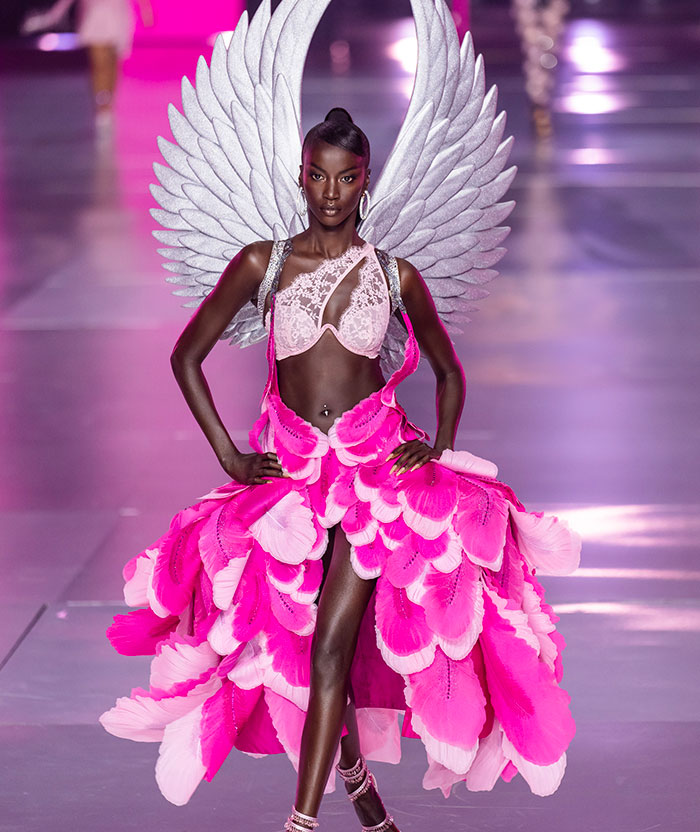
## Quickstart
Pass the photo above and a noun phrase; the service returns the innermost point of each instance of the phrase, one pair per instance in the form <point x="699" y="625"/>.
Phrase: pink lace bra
<point x="300" y="307"/>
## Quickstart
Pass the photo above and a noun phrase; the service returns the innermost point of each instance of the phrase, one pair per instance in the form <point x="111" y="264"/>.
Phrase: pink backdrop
<point x="184" y="20"/>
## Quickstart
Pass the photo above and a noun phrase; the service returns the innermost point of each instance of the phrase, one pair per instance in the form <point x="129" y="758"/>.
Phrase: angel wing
<point x="239" y="131"/>
<point x="436" y="201"/>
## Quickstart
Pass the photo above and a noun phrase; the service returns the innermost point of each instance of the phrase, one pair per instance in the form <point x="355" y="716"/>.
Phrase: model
<point x="352" y="583"/>
<point x="106" y="29"/>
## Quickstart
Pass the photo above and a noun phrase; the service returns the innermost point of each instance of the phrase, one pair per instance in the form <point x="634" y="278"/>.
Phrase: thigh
<point x="344" y="595"/>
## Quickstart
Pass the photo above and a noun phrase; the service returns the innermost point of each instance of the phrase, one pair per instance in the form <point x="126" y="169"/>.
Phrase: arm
<point x="237" y="285"/>
<point x="435" y="344"/>
<point x="39" y="21"/>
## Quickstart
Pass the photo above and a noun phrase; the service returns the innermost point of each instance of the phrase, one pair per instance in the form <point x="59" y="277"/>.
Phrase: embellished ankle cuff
<point x="299" y="822"/>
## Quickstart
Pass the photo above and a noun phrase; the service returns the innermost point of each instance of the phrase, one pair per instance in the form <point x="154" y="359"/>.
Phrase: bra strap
<point x="391" y="269"/>
<point x="280" y="252"/>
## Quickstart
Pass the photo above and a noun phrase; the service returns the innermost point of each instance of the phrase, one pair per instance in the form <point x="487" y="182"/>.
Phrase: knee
<point x="330" y="662"/>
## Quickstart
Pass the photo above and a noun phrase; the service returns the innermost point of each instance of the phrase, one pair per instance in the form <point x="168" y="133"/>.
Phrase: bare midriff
<point x="327" y="380"/>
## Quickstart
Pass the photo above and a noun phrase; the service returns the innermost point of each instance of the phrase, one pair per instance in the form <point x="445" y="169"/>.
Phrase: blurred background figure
<point x="539" y="24"/>
<point x="106" y="29"/>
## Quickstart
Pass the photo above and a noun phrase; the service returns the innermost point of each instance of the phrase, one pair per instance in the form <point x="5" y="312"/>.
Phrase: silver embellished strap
<point x="391" y="269"/>
<point x="279" y="253"/>
<point x="380" y="827"/>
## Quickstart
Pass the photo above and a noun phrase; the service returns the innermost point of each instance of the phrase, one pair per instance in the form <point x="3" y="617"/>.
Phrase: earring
<point x="364" y="209"/>
<point x="301" y="200"/>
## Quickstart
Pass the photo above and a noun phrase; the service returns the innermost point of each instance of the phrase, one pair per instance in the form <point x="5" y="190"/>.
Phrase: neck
<point x="328" y="242"/>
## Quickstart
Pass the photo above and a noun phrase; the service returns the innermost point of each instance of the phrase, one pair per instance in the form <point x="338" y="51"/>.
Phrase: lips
<point x="328" y="209"/>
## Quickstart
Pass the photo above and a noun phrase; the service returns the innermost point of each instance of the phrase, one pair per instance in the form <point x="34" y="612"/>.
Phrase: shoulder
<point x="255" y="257"/>
<point x="407" y="271"/>
<point x="409" y="277"/>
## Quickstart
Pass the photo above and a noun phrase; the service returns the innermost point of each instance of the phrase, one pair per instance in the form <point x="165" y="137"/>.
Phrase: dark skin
<point x="319" y="385"/>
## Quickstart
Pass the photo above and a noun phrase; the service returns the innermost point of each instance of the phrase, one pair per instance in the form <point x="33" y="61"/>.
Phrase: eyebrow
<point x="347" y="170"/>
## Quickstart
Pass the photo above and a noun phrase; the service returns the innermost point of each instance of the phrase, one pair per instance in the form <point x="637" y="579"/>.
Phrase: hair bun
<point x="338" y="114"/>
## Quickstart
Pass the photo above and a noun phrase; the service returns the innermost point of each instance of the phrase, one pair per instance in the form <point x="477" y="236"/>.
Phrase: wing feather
<point x="437" y="199"/>
<point x="238" y="131"/>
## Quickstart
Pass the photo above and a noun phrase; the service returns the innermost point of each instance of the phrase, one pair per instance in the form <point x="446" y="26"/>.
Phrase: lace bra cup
<point x="300" y="307"/>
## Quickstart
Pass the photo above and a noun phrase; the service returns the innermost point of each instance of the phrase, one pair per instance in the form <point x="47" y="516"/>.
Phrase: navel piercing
<point x="325" y="410"/>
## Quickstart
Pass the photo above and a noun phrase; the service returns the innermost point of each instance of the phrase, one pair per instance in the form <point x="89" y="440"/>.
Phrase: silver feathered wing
<point x="231" y="177"/>
<point x="232" y="174"/>
<point x="436" y="201"/>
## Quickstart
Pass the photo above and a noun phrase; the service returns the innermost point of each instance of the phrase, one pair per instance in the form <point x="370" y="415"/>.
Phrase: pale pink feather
<point x="547" y="542"/>
<point x="489" y="761"/>
<point x="179" y="659"/>
<point x="543" y="780"/>
<point x="180" y="769"/>
<point x="137" y="575"/>
<point x="286" y="530"/>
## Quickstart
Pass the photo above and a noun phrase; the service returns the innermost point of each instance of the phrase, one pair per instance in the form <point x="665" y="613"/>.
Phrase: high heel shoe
<point x="299" y="822"/>
<point x="360" y="774"/>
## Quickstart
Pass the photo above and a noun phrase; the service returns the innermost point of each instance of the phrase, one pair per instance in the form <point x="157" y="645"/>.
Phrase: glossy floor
<point x="584" y="386"/>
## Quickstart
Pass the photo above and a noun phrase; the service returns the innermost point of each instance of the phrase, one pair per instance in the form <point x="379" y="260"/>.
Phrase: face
<point x="333" y="180"/>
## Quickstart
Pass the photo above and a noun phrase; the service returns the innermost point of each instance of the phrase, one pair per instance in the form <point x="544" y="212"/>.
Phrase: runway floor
<point x="583" y="371"/>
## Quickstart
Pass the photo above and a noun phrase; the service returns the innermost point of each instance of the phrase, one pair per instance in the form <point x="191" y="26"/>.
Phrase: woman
<point x="106" y="29"/>
<point x="339" y="525"/>
<point x="319" y="384"/>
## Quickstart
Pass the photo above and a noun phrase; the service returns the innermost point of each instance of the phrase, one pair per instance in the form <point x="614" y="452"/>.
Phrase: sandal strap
<point x="299" y="822"/>
<point x="355" y="772"/>
<point x="380" y="827"/>
<point x="366" y="784"/>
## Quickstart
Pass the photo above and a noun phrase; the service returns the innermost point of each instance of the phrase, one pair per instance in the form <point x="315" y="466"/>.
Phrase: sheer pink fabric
<point x="300" y="307"/>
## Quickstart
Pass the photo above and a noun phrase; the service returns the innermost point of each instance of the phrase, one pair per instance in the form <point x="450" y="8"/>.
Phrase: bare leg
<point x="103" y="71"/>
<point x="342" y="602"/>
<point x="368" y="807"/>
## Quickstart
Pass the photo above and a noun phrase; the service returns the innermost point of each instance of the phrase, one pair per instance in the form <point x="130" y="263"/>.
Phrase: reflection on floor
<point x="583" y="385"/>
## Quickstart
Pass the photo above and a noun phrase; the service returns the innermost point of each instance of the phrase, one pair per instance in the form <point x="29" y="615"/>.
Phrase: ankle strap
<point x="380" y="827"/>
<point x="299" y="822"/>
<point x="354" y="773"/>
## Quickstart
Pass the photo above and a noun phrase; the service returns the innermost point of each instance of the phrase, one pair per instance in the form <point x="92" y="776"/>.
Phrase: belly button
<point x="325" y="411"/>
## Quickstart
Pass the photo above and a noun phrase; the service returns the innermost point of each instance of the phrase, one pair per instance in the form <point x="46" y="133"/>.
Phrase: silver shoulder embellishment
<point x="391" y="268"/>
<point x="280" y="250"/>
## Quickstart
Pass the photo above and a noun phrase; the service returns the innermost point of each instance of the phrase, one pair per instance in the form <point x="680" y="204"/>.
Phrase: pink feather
<point x="368" y="560"/>
<point x="358" y="524"/>
<point x="526" y="699"/>
<point x="404" y="638"/>
<point x="452" y="602"/>
<point x="295" y="617"/>
<point x="290" y="655"/>
<point x="447" y="697"/>
<point x="480" y="521"/>
<point x="251" y="601"/>
<point x="223" y="717"/>
<point x="429" y="497"/>
<point x="139" y="632"/>
<point x="405" y="564"/>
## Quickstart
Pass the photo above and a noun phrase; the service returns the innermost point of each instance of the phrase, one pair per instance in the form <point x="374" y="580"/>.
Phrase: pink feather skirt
<point x="457" y="648"/>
